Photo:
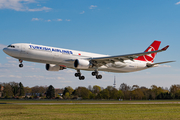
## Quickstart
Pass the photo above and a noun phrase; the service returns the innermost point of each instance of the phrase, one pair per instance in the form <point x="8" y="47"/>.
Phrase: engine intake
<point x="82" y="64"/>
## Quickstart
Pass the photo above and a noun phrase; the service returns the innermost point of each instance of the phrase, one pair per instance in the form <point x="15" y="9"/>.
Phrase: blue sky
<point x="99" y="26"/>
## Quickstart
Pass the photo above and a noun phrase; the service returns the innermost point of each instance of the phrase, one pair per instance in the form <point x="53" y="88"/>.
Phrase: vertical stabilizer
<point x="150" y="57"/>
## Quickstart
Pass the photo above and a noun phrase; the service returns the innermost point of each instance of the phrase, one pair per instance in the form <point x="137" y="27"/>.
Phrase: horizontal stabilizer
<point x="151" y="65"/>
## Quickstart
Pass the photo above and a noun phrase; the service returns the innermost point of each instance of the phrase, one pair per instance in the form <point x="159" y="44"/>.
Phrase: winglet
<point x="165" y="48"/>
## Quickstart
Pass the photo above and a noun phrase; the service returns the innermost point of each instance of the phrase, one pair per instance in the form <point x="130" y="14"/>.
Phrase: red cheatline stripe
<point x="62" y="65"/>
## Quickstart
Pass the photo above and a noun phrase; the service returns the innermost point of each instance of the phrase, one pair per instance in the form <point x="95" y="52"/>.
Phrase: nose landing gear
<point x="20" y="65"/>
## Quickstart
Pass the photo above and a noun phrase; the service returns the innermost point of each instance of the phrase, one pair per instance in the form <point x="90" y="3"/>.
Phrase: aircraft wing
<point x="111" y="59"/>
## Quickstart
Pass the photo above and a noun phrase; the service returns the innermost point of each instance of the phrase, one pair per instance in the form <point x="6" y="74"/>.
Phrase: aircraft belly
<point x="141" y="66"/>
<point x="127" y="66"/>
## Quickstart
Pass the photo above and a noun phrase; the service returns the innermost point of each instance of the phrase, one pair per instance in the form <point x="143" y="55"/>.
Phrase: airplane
<point x="59" y="59"/>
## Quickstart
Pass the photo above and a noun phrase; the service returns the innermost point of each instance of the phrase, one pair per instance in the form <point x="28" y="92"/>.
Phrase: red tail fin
<point x="150" y="57"/>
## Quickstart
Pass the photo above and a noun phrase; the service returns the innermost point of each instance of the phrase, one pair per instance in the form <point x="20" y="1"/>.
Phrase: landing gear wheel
<point x="77" y="74"/>
<point x="98" y="76"/>
<point x="81" y="77"/>
<point x="20" y="65"/>
<point x="94" y="73"/>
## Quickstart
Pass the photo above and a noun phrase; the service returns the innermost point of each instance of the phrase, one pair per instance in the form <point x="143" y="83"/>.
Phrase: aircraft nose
<point x="5" y="50"/>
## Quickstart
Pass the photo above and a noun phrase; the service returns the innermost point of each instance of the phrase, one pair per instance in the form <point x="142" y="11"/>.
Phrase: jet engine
<point x="82" y="64"/>
<point x="53" y="67"/>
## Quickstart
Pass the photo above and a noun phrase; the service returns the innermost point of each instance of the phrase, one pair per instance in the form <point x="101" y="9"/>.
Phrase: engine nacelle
<point x="82" y="64"/>
<point x="53" y="67"/>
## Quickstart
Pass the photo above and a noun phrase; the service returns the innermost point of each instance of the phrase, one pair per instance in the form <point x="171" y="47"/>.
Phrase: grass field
<point x="89" y="111"/>
<point x="80" y="101"/>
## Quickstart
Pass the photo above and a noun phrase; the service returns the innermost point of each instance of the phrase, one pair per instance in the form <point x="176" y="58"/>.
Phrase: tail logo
<point x="150" y="57"/>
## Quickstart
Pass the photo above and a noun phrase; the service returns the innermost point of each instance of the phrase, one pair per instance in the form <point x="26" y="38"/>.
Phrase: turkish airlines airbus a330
<point x="58" y="59"/>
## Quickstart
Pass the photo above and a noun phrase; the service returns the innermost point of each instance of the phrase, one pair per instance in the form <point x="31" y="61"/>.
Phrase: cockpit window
<point x="12" y="46"/>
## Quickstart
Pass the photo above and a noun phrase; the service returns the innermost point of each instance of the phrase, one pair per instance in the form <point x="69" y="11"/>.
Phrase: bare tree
<point x="126" y="90"/>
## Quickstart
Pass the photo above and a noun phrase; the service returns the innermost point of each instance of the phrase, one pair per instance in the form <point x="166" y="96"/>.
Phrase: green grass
<point x="80" y="101"/>
<point x="90" y="111"/>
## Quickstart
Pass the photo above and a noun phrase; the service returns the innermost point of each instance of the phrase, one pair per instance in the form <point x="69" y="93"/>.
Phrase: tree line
<point x="126" y="92"/>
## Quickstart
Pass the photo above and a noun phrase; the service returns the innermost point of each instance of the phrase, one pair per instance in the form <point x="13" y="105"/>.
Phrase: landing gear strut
<point x="78" y="74"/>
<point x="20" y="65"/>
<point x="95" y="73"/>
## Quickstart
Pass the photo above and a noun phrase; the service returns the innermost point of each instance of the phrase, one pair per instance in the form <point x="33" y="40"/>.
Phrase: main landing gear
<point x="20" y="65"/>
<point x="95" y="73"/>
<point x="78" y="74"/>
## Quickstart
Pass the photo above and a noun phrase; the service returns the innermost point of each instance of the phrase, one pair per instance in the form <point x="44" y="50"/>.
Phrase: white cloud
<point x="35" y="76"/>
<point x="82" y="12"/>
<point x="2" y="76"/>
<point x="12" y="60"/>
<point x="178" y="3"/>
<point x="10" y="76"/>
<point x="14" y="76"/>
<point x="20" y="5"/>
<point x="35" y="19"/>
<point x="68" y="20"/>
<point x="39" y="77"/>
<point x="92" y="6"/>
<point x="2" y="46"/>
<point x="59" y="19"/>
<point x="48" y="20"/>
<point x="60" y="78"/>
<point x="9" y="58"/>
<point x="40" y="9"/>
<point x="167" y="66"/>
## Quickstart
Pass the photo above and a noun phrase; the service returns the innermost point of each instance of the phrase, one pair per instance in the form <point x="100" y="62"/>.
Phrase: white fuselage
<point x="66" y="57"/>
